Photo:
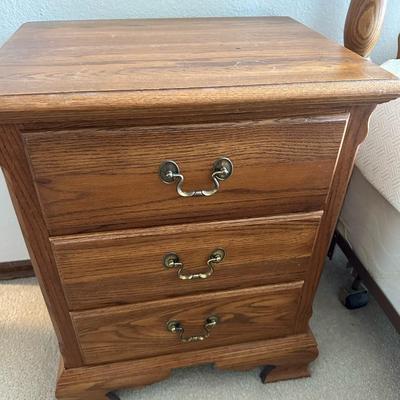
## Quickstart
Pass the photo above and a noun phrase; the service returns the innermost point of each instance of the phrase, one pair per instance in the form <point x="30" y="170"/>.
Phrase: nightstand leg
<point x="112" y="396"/>
<point x="88" y="395"/>
<point x="272" y="373"/>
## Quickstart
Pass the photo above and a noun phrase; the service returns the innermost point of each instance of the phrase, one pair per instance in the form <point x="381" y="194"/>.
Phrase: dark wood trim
<point x="16" y="269"/>
<point x="398" y="48"/>
<point x="367" y="279"/>
<point x="273" y="373"/>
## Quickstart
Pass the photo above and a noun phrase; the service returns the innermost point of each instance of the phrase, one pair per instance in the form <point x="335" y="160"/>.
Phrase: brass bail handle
<point x="177" y="327"/>
<point x="170" y="173"/>
<point x="171" y="260"/>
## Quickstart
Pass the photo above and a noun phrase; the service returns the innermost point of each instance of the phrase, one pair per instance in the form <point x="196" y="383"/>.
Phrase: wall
<point x="325" y="16"/>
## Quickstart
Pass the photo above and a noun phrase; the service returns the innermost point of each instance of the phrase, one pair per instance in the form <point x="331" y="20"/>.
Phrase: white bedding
<point x="371" y="225"/>
<point x="379" y="155"/>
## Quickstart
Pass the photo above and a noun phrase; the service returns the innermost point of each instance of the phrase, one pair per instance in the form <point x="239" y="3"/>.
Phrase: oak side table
<point x="177" y="183"/>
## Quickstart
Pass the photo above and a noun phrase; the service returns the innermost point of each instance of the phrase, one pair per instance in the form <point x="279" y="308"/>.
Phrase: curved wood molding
<point x="286" y="357"/>
<point x="363" y="25"/>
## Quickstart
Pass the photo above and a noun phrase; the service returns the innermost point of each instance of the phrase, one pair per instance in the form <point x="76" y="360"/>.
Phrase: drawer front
<point x="125" y="267"/>
<point x="102" y="179"/>
<point x="140" y="330"/>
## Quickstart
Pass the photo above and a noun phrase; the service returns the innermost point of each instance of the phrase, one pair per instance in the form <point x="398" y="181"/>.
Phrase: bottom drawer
<point x="141" y="330"/>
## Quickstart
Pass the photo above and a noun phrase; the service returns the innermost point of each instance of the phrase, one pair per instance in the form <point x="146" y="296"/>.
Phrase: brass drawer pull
<point x="171" y="260"/>
<point x="222" y="169"/>
<point x="177" y="327"/>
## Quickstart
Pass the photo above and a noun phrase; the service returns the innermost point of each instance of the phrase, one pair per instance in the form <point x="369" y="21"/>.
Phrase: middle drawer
<point x="131" y="266"/>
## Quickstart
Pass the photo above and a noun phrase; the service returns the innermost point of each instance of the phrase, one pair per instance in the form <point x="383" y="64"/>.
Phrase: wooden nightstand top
<point x="164" y="62"/>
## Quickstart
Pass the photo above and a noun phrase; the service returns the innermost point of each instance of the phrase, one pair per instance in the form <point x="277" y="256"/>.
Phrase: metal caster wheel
<point x="112" y="396"/>
<point x="354" y="297"/>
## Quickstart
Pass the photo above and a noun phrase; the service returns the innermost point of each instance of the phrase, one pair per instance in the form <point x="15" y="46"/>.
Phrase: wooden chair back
<point x="363" y="25"/>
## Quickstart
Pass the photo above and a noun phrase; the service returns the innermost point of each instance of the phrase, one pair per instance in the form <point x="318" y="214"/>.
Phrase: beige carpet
<point x="359" y="354"/>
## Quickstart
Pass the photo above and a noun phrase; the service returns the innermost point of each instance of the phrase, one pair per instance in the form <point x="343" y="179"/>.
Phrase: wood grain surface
<point x="137" y="55"/>
<point x="90" y="109"/>
<point x="23" y="195"/>
<point x="356" y="132"/>
<point x="123" y="267"/>
<point x="85" y="382"/>
<point x="146" y="66"/>
<point x="139" y="330"/>
<point x="363" y="25"/>
<point x="105" y="178"/>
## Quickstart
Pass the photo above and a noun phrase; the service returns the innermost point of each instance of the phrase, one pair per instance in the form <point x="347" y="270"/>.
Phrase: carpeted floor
<point x="359" y="354"/>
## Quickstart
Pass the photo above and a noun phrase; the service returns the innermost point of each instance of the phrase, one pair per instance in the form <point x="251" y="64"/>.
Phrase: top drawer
<point x="108" y="178"/>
